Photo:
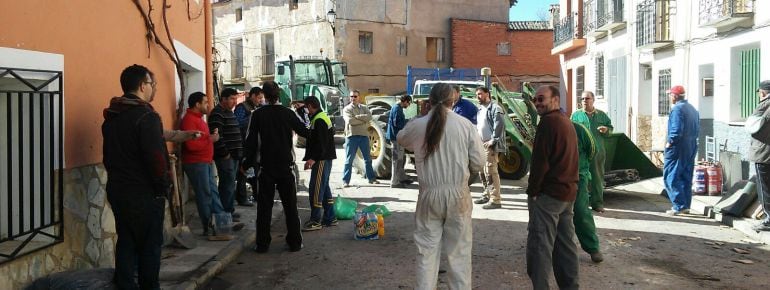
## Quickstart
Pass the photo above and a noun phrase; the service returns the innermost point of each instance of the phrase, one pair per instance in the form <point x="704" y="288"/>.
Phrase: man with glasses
<point x="551" y="193"/>
<point x="357" y="118"/>
<point x="136" y="160"/>
<point x="600" y="126"/>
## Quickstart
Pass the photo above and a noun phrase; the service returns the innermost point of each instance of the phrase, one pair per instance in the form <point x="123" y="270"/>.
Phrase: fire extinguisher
<point x="714" y="179"/>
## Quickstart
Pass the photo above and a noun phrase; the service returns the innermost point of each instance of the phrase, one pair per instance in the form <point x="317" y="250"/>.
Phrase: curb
<point x="738" y="223"/>
<point x="207" y="271"/>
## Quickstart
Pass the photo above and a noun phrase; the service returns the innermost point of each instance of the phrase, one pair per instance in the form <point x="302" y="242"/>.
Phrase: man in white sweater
<point x="357" y="118"/>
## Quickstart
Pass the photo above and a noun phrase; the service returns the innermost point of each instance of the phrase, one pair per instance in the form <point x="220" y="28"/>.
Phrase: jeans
<point x="282" y="179"/>
<point x="550" y="243"/>
<point x="226" y="168"/>
<point x="320" y="193"/>
<point x="201" y="176"/>
<point x="353" y="144"/>
<point x="139" y="225"/>
<point x="763" y="189"/>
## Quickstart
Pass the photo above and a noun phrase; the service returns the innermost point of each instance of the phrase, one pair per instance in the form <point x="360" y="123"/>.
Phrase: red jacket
<point x="200" y="150"/>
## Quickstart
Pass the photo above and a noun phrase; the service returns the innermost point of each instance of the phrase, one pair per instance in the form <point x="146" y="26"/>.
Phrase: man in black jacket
<point x="135" y="157"/>
<point x="319" y="154"/>
<point x="227" y="151"/>
<point x="759" y="153"/>
<point x="269" y="147"/>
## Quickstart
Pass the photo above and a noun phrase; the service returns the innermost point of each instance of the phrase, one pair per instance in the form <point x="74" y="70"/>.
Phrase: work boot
<point x="492" y="205"/>
<point x="482" y="200"/>
<point x="374" y="181"/>
<point x="237" y="226"/>
<point x="311" y="226"/>
<point x="597" y="257"/>
<point x="407" y="181"/>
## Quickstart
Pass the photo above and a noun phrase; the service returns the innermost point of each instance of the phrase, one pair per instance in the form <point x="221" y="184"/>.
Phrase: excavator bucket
<point x="625" y="163"/>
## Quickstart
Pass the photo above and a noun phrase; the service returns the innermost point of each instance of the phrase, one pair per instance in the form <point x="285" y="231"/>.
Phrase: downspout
<point x="208" y="39"/>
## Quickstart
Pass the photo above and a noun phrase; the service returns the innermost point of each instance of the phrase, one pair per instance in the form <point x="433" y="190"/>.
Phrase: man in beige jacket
<point x="357" y="118"/>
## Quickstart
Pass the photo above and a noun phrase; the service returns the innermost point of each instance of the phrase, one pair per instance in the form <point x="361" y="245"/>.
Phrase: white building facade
<point x="631" y="51"/>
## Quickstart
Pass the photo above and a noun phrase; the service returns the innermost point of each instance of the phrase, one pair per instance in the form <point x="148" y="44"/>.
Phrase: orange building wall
<point x="98" y="40"/>
<point x="474" y="45"/>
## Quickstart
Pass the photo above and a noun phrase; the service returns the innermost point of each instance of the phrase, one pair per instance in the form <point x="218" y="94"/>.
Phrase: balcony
<point x="653" y="24"/>
<point x="602" y="16"/>
<point x="722" y="13"/>
<point x="567" y="35"/>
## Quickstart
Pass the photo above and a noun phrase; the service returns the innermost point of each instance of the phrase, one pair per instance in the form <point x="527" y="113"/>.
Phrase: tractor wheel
<point x="379" y="150"/>
<point x="512" y="165"/>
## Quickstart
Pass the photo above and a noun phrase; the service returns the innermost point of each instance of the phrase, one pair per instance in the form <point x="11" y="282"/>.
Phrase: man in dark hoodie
<point x="269" y="147"/>
<point x="135" y="157"/>
<point x="318" y="158"/>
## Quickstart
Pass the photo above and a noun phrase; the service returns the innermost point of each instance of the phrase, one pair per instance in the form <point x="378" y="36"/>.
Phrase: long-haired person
<point x="447" y="149"/>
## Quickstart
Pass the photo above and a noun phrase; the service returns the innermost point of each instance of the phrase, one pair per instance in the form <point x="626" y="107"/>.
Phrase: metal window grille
<point x="712" y="11"/>
<point x="600" y="76"/>
<point x="653" y="21"/>
<point x="664" y="83"/>
<point x="365" y="42"/>
<point x="580" y="81"/>
<point x="749" y="80"/>
<point x="565" y="30"/>
<point x="31" y="158"/>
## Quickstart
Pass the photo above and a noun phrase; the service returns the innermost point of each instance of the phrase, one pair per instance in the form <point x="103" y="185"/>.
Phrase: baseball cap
<point x="678" y="90"/>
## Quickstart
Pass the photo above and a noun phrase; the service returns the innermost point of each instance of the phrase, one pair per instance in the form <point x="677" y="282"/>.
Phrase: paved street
<point x="643" y="248"/>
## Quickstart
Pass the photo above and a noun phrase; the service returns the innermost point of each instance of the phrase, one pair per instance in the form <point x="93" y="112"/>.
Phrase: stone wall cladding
<point x="89" y="232"/>
<point x="644" y="133"/>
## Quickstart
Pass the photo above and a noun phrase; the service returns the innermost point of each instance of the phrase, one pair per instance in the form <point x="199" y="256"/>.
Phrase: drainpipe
<point x="208" y="39"/>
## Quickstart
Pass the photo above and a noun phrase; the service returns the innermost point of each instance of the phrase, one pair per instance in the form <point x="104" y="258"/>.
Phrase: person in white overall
<point x="447" y="150"/>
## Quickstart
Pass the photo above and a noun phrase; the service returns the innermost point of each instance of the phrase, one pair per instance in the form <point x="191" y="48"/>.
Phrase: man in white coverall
<point x="447" y="149"/>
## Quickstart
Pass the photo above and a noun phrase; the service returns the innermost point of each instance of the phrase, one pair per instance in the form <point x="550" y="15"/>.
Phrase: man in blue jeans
<point x="228" y="150"/>
<point x="196" y="161"/>
<point x="357" y="118"/>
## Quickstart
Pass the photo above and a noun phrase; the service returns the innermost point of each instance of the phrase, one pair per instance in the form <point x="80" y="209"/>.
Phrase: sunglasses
<point x="354" y="96"/>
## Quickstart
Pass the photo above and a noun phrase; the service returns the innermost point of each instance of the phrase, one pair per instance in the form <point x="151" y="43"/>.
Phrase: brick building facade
<point x="517" y="52"/>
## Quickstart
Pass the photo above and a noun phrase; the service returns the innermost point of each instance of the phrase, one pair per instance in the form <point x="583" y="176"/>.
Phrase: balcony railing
<point x="565" y="30"/>
<point x="724" y="12"/>
<point x="602" y="15"/>
<point x="653" y="23"/>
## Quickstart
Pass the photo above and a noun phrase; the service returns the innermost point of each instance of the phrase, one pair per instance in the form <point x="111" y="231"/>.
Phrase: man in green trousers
<point x="585" y="229"/>
<point x="600" y="125"/>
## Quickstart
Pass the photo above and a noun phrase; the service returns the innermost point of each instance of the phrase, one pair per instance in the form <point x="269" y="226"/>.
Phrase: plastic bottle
<point x="380" y="225"/>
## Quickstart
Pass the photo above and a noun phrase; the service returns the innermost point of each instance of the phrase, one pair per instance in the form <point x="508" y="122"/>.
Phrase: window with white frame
<point x="365" y="39"/>
<point x="434" y="51"/>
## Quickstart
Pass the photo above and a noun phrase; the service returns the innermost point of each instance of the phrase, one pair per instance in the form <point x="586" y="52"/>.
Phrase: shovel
<point x="182" y="236"/>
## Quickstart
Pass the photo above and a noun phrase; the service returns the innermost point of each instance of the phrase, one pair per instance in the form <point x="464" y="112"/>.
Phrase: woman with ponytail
<point x="447" y="150"/>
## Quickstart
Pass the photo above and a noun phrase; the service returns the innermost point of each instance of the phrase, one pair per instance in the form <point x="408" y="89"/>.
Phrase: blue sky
<point x="527" y="10"/>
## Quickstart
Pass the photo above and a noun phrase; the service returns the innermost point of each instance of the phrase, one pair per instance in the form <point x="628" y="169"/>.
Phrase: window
<point x="749" y="80"/>
<point x="268" y="54"/>
<point x="293" y="4"/>
<point x="236" y="58"/>
<point x="434" y="50"/>
<point x="31" y="159"/>
<point x="708" y="87"/>
<point x="401" y="48"/>
<point x="580" y="81"/>
<point x="374" y="91"/>
<point x="664" y="83"/>
<point x="238" y="14"/>
<point x="599" y="76"/>
<point x="504" y="48"/>
<point x="365" y="42"/>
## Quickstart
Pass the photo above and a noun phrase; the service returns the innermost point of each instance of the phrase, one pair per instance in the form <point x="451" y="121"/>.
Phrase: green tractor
<point x="519" y="126"/>
<point x="314" y="76"/>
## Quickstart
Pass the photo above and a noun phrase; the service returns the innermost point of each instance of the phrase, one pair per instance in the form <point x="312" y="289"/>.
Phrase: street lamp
<point x="331" y="16"/>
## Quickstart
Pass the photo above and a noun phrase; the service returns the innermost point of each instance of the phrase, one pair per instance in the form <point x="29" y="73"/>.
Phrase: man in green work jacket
<point x="585" y="228"/>
<point x="600" y="126"/>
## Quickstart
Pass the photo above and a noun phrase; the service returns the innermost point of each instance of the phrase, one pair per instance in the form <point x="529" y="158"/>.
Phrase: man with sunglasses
<point x="357" y="118"/>
<point x="600" y="126"/>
